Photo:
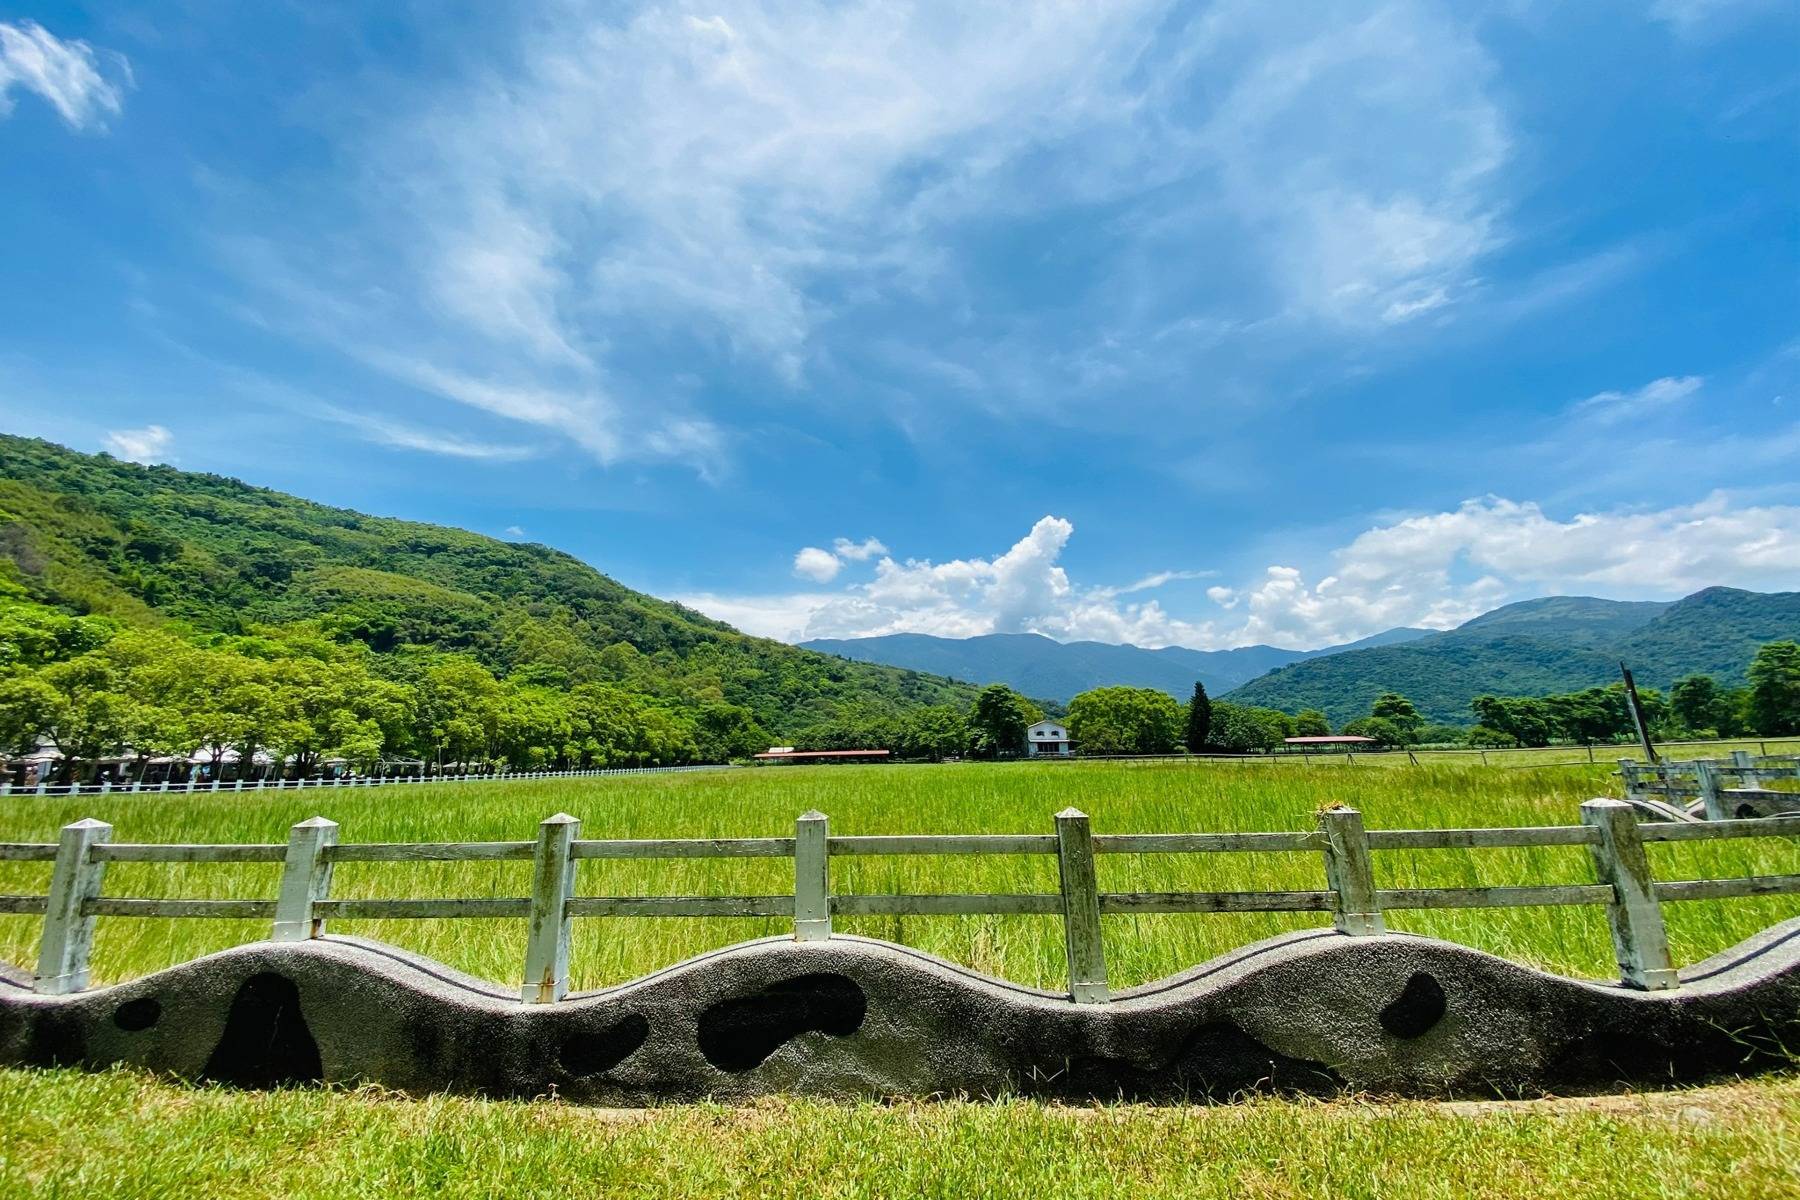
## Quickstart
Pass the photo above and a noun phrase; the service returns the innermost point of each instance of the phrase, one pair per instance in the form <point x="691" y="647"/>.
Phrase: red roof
<point x="825" y="754"/>
<point x="1334" y="740"/>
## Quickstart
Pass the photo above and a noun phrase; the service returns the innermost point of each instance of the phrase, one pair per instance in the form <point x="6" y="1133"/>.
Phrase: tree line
<point x="99" y="691"/>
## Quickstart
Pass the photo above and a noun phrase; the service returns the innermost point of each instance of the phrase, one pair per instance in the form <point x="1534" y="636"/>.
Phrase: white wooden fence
<point x="183" y="787"/>
<point x="1708" y="780"/>
<point x="303" y="904"/>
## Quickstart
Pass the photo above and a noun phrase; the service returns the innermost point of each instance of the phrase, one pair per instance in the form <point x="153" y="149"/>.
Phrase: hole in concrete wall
<point x="266" y="1042"/>
<point x="596" y="1053"/>
<point x="740" y="1033"/>
<point x="135" y="1016"/>
<point x="1417" y="1009"/>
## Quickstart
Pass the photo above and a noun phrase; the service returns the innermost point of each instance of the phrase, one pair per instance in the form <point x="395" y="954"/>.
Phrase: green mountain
<point x="210" y="555"/>
<point x="1557" y="644"/>
<point x="1038" y="666"/>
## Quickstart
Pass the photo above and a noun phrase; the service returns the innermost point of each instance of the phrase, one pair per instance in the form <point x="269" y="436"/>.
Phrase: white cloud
<point x="151" y="444"/>
<point x="514" y="531"/>
<point x="858" y="551"/>
<point x="821" y="566"/>
<point x="1608" y="408"/>
<point x="65" y="73"/>
<point x="1436" y="570"/>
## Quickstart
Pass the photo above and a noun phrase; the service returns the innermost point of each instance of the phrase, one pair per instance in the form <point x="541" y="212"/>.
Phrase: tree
<point x="1699" y="704"/>
<point x="1525" y="720"/>
<point x="1383" y="730"/>
<point x="935" y="731"/>
<point x="727" y="731"/>
<point x="1400" y="712"/>
<point x="1774" y="708"/>
<point x="1247" y="728"/>
<point x="999" y="719"/>
<point x="1125" y="720"/>
<point x="1199" y="719"/>
<point x="1311" y="723"/>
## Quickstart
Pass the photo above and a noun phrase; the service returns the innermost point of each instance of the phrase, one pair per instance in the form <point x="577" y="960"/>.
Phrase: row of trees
<point x="95" y="690"/>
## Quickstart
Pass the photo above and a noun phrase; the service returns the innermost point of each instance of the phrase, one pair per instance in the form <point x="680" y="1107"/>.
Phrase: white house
<point x="1048" y="737"/>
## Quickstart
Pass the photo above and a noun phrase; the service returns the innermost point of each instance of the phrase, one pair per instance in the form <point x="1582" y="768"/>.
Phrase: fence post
<point x="1081" y="907"/>
<point x="1708" y="779"/>
<point x="1350" y="872"/>
<point x="1639" y="941"/>
<point x="812" y="879"/>
<point x="552" y="883"/>
<point x="305" y="880"/>
<point x="68" y="933"/>
<point x="1746" y="768"/>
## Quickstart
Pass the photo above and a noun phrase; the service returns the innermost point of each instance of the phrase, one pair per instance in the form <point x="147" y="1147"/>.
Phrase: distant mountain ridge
<point x="1051" y="670"/>
<point x="1535" y="647"/>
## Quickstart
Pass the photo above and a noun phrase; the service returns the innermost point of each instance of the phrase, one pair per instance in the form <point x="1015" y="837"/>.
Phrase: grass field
<point x="1150" y="797"/>
<point x="121" y="1133"/>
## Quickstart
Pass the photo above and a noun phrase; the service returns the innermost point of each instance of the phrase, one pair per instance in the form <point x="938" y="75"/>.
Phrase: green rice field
<point x="1154" y="797"/>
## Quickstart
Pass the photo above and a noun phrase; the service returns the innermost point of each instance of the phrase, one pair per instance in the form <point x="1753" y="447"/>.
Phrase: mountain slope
<point x="1564" y="643"/>
<point x="155" y="545"/>
<point x="1040" y="666"/>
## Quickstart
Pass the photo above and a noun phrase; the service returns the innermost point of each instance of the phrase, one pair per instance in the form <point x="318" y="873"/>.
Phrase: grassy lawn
<point x="1150" y="797"/>
<point x="123" y="1134"/>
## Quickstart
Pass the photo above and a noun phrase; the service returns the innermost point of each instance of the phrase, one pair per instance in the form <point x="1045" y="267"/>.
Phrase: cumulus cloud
<point x="151" y="444"/>
<point x="1435" y="570"/>
<point x="858" y="551"/>
<point x="67" y="74"/>
<point x="821" y="566"/>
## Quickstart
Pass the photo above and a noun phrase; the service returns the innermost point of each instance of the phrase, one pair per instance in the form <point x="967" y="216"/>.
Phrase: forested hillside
<point x="1539" y="647"/>
<point x="220" y="565"/>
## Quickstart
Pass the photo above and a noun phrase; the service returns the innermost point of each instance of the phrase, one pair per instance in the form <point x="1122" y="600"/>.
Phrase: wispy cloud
<point x="1607" y="408"/>
<point x="385" y="432"/>
<point x="71" y="75"/>
<point x="748" y="186"/>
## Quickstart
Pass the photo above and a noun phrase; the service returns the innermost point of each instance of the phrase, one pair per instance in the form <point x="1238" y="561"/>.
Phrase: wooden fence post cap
<point x="1071" y="813"/>
<point x="87" y="823"/>
<point x="561" y="819"/>
<point x="317" y="823"/>
<point x="812" y="814"/>
<point x="1604" y="802"/>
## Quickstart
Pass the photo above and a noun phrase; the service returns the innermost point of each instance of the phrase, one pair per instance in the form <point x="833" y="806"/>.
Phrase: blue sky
<point x="1198" y="324"/>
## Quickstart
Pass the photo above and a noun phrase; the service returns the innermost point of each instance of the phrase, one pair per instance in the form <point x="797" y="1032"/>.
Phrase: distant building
<point x="1048" y="738"/>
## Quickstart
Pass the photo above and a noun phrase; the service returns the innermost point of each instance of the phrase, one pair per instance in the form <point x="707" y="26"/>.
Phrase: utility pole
<point x="1637" y="713"/>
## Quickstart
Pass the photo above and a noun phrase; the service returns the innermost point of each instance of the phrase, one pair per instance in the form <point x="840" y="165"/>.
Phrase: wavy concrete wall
<point x="1314" y="1012"/>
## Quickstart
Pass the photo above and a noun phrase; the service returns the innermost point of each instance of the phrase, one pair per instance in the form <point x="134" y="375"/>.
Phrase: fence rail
<point x="1706" y="780"/>
<point x="303" y="904"/>
<point x="187" y="787"/>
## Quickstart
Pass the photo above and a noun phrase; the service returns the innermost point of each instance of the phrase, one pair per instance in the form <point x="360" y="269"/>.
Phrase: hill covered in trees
<point x="92" y="548"/>
<point x="1558" y="644"/>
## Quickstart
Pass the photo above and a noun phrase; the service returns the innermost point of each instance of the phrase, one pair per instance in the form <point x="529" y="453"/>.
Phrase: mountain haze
<point x="1040" y="666"/>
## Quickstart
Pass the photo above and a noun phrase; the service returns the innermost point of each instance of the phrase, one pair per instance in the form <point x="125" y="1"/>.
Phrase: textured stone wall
<point x="1313" y="1012"/>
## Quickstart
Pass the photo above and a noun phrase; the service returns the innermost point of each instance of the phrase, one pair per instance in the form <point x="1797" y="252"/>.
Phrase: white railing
<point x="1623" y="884"/>
<point x="181" y="787"/>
